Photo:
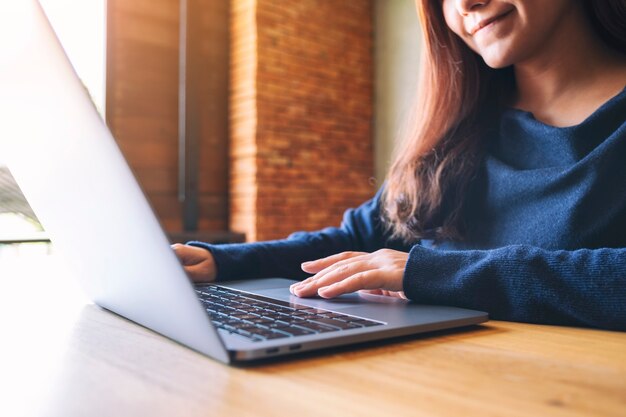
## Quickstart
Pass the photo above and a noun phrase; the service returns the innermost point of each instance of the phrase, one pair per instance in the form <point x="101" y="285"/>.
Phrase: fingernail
<point x="305" y="264"/>
<point x="303" y="288"/>
<point x="323" y="291"/>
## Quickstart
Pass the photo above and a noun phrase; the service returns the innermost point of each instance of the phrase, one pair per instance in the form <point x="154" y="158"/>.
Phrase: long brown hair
<point x="441" y="147"/>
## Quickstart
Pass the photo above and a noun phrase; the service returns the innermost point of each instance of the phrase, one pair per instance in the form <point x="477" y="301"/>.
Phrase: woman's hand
<point x="198" y="262"/>
<point x="380" y="272"/>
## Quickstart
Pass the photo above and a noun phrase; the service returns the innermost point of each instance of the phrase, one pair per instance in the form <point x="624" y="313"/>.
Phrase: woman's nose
<point x="466" y="6"/>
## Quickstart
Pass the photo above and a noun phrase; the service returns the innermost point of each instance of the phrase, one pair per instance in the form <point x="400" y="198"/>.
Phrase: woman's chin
<point x="497" y="62"/>
<point x="499" y="56"/>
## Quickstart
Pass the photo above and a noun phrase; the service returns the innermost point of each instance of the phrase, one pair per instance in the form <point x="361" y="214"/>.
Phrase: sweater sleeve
<point x="360" y="230"/>
<point x="585" y="287"/>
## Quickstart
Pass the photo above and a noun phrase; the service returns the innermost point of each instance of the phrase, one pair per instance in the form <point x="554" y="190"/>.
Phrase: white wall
<point x="397" y="41"/>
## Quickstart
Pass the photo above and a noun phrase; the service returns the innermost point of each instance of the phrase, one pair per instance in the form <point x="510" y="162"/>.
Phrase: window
<point x="80" y="26"/>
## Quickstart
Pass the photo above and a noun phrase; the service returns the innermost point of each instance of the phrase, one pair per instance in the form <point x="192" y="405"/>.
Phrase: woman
<point x="509" y="192"/>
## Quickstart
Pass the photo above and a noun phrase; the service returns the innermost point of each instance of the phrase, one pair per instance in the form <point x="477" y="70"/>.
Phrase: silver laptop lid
<point x="81" y="188"/>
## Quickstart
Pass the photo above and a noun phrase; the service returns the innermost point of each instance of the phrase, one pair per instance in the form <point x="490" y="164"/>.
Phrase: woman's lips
<point x="486" y="22"/>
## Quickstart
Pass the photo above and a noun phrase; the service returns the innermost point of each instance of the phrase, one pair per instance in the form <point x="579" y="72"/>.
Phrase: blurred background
<point x="243" y="120"/>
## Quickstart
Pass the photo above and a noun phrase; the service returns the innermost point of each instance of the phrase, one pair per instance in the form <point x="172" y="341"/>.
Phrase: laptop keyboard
<point x="261" y="318"/>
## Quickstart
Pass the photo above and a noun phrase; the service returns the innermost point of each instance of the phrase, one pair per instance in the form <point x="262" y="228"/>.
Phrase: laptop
<point x="73" y="174"/>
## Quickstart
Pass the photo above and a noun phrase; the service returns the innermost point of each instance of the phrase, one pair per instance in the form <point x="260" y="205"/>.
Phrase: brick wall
<point x="301" y="113"/>
<point x="142" y="101"/>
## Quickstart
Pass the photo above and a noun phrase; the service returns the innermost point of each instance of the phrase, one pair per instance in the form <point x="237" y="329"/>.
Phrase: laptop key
<point x="249" y="309"/>
<point x="228" y="327"/>
<point x="366" y="323"/>
<point x="248" y="317"/>
<point x="232" y="322"/>
<point x="278" y="326"/>
<point x="261" y="320"/>
<point x="297" y="331"/>
<point x="277" y="335"/>
<point x="281" y="309"/>
<point x="319" y="328"/>
<point x="265" y="333"/>
<point x="248" y="328"/>
<point x="332" y="322"/>
<point x="315" y="310"/>
<point x="243" y="332"/>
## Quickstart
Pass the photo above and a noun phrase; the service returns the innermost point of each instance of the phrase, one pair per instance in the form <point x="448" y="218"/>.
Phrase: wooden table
<point x="63" y="357"/>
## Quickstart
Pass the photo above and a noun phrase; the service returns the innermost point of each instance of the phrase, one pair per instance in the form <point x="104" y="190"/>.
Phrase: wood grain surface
<point x="69" y="358"/>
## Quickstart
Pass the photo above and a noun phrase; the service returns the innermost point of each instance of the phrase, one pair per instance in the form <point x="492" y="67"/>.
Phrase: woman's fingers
<point x="198" y="262"/>
<point x="361" y="280"/>
<point x="314" y="267"/>
<point x="326" y="265"/>
<point x="329" y="276"/>
<point x="199" y="273"/>
<point x="352" y="271"/>
<point x="378" y="291"/>
<point x="189" y="255"/>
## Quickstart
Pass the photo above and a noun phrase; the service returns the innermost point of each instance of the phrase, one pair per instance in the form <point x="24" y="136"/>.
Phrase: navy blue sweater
<point x="546" y="239"/>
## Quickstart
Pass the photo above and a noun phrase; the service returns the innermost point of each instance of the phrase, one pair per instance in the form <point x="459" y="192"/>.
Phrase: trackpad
<point x="344" y="301"/>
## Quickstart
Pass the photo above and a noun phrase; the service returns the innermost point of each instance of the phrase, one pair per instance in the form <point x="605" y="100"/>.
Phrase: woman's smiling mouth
<point x="488" y="21"/>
